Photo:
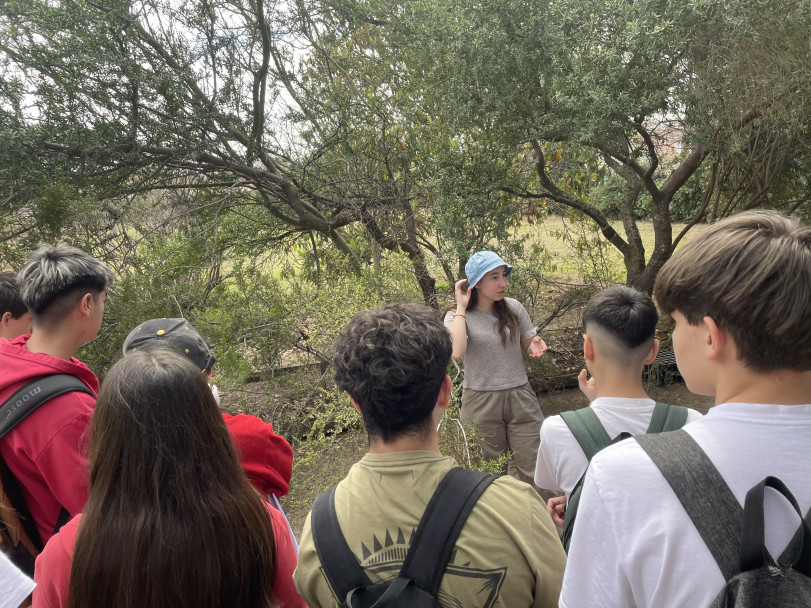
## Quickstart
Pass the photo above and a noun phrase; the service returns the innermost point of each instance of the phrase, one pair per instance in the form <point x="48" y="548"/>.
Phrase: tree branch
<point x="561" y="197"/>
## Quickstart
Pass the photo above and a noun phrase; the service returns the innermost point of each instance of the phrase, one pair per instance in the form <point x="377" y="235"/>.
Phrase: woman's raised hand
<point x="462" y="298"/>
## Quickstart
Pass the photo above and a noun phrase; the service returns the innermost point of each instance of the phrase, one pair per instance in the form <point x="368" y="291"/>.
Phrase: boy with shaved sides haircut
<point x="64" y="289"/>
<point x="15" y="320"/>
<point x="739" y="294"/>
<point x="619" y="340"/>
<point x="393" y="364"/>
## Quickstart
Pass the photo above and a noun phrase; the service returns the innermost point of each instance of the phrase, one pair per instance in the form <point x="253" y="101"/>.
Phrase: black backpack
<point x="417" y="583"/>
<point x="735" y="535"/>
<point x="592" y="437"/>
<point x="19" y="538"/>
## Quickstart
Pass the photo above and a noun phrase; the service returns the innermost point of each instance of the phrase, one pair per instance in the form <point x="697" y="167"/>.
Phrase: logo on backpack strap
<point x="22" y="400"/>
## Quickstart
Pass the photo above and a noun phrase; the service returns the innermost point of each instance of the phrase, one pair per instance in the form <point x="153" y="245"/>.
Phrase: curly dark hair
<point x="392" y="362"/>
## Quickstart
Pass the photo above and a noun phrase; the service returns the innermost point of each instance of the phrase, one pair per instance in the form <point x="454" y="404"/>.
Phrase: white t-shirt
<point x="561" y="461"/>
<point x="634" y="545"/>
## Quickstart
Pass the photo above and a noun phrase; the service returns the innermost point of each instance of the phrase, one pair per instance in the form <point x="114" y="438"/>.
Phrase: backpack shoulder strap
<point x="13" y="411"/>
<point x="15" y="520"/>
<point x="28" y="398"/>
<point x="667" y="418"/>
<point x="702" y="492"/>
<point x="340" y="565"/>
<point x="796" y="540"/>
<point x="587" y="430"/>
<point x="431" y="546"/>
<point x="440" y="525"/>
<point x="753" y="547"/>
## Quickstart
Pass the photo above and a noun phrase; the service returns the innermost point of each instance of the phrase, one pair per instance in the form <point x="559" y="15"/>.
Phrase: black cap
<point x="174" y="333"/>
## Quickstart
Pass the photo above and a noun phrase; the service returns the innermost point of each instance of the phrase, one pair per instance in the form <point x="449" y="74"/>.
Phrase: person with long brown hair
<point x="171" y="519"/>
<point x="489" y="332"/>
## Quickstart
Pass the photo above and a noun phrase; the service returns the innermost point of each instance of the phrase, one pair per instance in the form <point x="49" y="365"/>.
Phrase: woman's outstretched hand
<point x="537" y="348"/>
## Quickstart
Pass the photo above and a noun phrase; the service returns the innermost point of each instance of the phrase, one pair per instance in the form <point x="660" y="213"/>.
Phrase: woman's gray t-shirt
<point x="489" y="365"/>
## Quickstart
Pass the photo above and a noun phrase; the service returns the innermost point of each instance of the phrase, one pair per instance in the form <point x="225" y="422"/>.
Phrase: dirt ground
<point x="675" y="393"/>
<point x="315" y="472"/>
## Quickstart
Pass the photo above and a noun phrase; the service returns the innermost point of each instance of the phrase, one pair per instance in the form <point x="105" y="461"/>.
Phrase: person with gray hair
<point x="64" y="288"/>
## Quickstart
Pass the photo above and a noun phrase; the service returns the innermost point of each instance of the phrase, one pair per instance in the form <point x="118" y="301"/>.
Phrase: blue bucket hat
<point x="482" y="262"/>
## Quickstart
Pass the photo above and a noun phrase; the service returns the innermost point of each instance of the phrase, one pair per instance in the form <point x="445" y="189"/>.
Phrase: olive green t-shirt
<point x="508" y="554"/>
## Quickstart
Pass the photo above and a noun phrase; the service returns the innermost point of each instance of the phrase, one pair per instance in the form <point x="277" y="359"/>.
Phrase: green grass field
<point x="576" y="249"/>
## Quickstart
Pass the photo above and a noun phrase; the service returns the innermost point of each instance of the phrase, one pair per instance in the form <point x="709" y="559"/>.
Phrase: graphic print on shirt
<point x="473" y="587"/>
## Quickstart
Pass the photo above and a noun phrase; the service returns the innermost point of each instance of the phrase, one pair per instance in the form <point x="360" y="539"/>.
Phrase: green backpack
<point x="592" y="437"/>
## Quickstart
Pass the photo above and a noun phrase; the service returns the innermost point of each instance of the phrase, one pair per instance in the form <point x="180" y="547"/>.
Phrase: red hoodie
<point x="266" y="457"/>
<point x="47" y="452"/>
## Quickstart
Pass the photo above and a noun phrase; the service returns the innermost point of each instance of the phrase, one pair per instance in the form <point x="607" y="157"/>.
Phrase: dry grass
<point x="550" y="234"/>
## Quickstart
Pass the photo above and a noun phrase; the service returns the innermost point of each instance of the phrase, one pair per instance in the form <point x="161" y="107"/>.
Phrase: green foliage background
<point x="267" y="170"/>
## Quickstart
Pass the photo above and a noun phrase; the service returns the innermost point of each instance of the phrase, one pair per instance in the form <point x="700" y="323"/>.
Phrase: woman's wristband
<point x="460" y="315"/>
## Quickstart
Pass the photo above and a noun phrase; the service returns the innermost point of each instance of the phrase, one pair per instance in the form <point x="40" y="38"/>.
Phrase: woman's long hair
<point x="505" y="316"/>
<point x="171" y="519"/>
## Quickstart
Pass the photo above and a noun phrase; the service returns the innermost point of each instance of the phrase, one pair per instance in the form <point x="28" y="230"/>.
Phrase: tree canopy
<point x="655" y="95"/>
<point x="416" y="126"/>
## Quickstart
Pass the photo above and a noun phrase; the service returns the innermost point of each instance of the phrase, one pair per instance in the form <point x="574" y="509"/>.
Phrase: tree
<point x="655" y="90"/>
<point x="121" y="99"/>
<point x="415" y="186"/>
<point x="300" y="110"/>
<point x="418" y="126"/>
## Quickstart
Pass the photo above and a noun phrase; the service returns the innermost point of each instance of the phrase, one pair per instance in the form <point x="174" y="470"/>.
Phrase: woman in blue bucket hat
<point x="489" y="332"/>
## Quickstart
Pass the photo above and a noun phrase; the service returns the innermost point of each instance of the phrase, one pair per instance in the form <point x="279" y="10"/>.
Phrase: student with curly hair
<point x="393" y="362"/>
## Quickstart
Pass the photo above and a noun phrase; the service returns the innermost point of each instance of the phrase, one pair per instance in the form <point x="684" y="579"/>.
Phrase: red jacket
<point x="52" y="571"/>
<point x="47" y="452"/>
<point x="266" y="457"/>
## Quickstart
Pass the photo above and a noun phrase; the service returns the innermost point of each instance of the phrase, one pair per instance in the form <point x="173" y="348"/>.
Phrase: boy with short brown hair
<point x="739" y="294"/>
